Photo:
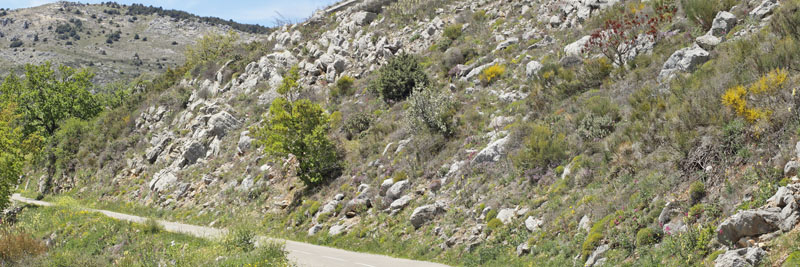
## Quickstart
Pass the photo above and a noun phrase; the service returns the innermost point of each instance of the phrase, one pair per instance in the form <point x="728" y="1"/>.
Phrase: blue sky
<point x="262" y="12"/>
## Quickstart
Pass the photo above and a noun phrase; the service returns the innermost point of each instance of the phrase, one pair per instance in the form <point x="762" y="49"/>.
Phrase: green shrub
<point x="453" y="31"/>
<point x="152" y="226"/>
<point x="211" y="48"/>
<point x="696" y="211"/>
<point x="491" y="215"/>
<point x="397" y="79"/>
<point x="697" y="191"/>
<point x="786" y="19"/>
<point x="703" y="12"/>
<point x="399" y="176"/>
<point x="289" y="86"/>
<point x="239" y="239"/>
<point x="596" y="234"/>
<point x="432" y="109"/>
<point x="343" y="87"/>
<point x="494" y="223"/>
<point x="300" y="128"/>
<point x="542" y="148"/>
<point x="793" y="259"/>
<point x="356" y="124"/>
<point x="646" y="236"/>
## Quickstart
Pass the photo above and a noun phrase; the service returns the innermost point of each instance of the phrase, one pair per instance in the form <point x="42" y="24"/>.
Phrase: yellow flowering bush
<point x="492" y="73"/>
<point x="736" y="98"/>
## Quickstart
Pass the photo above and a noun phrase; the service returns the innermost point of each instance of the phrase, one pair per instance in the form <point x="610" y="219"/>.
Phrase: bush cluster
<point x="736" y="98"/>
<point x="543" y="148"/>
<point x="492" y="73"/>
<point x="397" y="79"/>
<point x="432" y="109"/>
<point x="356" y="124"/>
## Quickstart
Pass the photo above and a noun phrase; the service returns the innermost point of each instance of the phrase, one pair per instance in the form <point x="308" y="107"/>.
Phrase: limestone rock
<point x="493" y="152"/>
<point x="744" y="257"/>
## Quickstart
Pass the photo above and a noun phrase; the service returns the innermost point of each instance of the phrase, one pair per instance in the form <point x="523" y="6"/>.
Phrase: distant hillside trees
<point x="139" y="9"/>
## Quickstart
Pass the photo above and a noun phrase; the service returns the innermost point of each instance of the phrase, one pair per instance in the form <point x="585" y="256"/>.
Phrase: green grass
<point x="82" y="238"/>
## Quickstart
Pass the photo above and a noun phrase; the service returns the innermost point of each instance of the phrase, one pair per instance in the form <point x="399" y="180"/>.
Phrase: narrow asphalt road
<point x="306" y="255"/>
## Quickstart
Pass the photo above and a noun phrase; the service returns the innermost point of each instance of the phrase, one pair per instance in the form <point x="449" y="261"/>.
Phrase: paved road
<point x="303" y="254"/>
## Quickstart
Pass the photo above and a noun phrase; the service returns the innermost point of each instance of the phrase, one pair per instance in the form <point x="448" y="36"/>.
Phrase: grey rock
<point x="686" y="60"/>
<point x="506" y="215"/>
<point x="505" y="44"/>
<point x="585" y="223"/>
<point x="245" y="141"/>
<point x="424" y="214"/>
<point x="397" y="190"/>
<point x="533" y="224"/>
<point x="790" y="169"/>
<point x="356" y="206"/>
<point x="493" y="152"/>
<point x="708" y="41"/>
<point x="744" y="257"/>
<point x="385" y="186"/>
<point x="337" y="230"/>
<point x="163" y="180"/>
<point x="194" y="151"/>
<point x="575" y="49"/>
<point x="532" y="68"/>
<point x="400" y="203"/>
<point x="314" y="229"/>
<point x="595" y="258"/>
<point x="722" y="23"/>
<point x="523" y="249"/>
<point x="748" y="223"/>
<point x="764" y="9"/>
<point x="221" y="123"/>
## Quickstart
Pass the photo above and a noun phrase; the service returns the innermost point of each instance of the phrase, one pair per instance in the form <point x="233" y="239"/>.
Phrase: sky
<point x="263" y="12"/>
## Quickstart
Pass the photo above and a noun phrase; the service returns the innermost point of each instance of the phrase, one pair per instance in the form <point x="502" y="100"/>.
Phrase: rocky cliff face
<point x="115" y="43"/>
<point x="467" y="194"/>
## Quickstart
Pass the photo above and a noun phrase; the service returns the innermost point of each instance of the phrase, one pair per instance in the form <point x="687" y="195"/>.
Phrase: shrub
<point x="211" y="48"/>
<point x="491" y="214"/>
<point x="433" y="110"/>
<point x="618" y="39"/>
<point x="596" y="234"/>
<point x="492" y="73"/>
<point x="18" y="246"/>
<point x="343" y="87"/>
<point x="543" y="148"/>
<point x="786" y="19"/>
<point x="646" y="236"/>
<point x="697" y="191"/>
<point x="357" y="123"/>
<point x="397" y="79"/>
<point x="696" y="211"/>
<point x="703" y="12"/>
<point x="239" y="239"/>
<point x="151" y="226"/>
<point x="736" y="98"/>
<point x="453" y="31"/>
<point x="793" y="259"/>
<point x="289" y="86"/>
<point x="300" y="128"/>
<point x="494" y="223"/>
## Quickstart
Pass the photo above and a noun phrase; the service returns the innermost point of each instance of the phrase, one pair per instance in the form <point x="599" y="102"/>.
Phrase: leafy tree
<point x="47" y="97"/>
<point x="300" y="128"/>
<point x="11" y="152"/>
<point x="289" y="86"/>
<point x="211" y="48"/>
<point x="398" y="78"/>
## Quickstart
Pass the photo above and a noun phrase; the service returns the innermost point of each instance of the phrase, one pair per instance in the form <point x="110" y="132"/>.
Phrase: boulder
<point x="505" y="44"/>
<point x="362" y="18"/>
<point x="686" y="60"/>
<point x="532" y="68"/>
<point x="337" y="230"/>
<point x="708" y="41"/>
<point x="163" y="180"/>
<point x="385" y="186"/>
<point x="585" y="223"/>
<point x="723" y="22"/>
<point x="245" y="141"/>
<point x="193" y="151"/>
<point x="744" y="257"/>
<point x="314" y="229"/>
<point x="425" y="213"/>
<point x="506" y="215"/>
<point x="397" y="190"/>
<point x="748" y="223"/>
<point x="493" y="152"/>
<point x="790" y="169"/>
<point x="356" y="206"/>
<point x="523" y="249"/>
<point x="576" y="48"/>
<point x="400" y="203"/>
<point x="533" y="224"/>
<point x="764" y="9"/>
<point x="221" y="123"/>
<point x="595" y="259"/>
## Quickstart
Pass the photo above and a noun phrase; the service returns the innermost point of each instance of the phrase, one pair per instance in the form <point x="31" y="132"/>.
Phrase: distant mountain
<point x="117" y="41"/>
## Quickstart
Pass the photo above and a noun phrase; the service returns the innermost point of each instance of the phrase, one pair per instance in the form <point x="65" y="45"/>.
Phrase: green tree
<point x="11" y="153"/>
<point x="47" y="97"/>
<point x="211" y="48"/>
<point x="289" y="86"/>
<point x="398" y="78"/>
<point x="300" y="128"/>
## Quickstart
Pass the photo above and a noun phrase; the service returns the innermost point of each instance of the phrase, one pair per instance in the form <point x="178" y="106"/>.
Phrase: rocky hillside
<point x="477" y="133"/>
<point x="117" y="41"/>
